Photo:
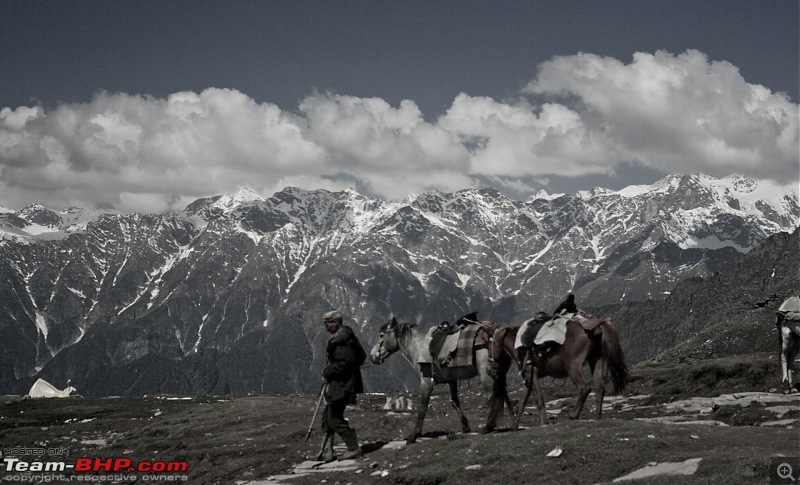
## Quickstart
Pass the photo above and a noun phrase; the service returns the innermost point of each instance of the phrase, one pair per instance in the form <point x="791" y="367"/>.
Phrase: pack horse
<point x="432" y="366"/>
<point x="788" y="325"/>
<point x="595" y="343"/>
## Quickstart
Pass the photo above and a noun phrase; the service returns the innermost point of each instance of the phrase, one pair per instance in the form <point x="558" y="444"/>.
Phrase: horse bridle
<point x="381" y="347"/>
<point x="380" y="352"/>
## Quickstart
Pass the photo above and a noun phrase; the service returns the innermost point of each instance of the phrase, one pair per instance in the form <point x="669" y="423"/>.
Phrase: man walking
<point x="343" y="381"/>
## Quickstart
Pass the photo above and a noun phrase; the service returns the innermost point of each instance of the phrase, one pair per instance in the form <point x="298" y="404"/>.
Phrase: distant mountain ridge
<point x="226" y="295"/>
<point x="729" y="313"/>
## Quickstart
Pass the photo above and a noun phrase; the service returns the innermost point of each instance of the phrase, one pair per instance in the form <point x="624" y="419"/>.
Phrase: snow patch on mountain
<point x="543" y="195"/>
<point x="244" y="195"/>
<point x="194" y="281"/>
<point x="36" y="222"/>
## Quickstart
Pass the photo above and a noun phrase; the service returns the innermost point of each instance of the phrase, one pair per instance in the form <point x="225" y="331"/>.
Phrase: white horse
<point x="413" y="342"/>
<point x="788" y="324"/>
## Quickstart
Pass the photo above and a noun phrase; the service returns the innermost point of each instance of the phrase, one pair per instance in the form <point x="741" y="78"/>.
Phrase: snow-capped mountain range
<point x="226" y="295"/>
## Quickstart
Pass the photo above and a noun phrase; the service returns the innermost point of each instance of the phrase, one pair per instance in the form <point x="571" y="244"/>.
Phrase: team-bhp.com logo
<point x="94" y="465"/>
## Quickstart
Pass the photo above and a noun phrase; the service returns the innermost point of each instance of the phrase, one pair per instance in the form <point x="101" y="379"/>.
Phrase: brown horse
<point x="600" y="348"/>
<point x="413" y="341"/>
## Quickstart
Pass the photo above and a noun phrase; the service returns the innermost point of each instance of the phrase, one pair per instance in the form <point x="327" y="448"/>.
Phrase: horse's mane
<point x="402" y="329"/>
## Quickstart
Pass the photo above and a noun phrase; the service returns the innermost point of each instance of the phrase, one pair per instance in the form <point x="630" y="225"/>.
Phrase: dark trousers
<point x="333" y="419"/>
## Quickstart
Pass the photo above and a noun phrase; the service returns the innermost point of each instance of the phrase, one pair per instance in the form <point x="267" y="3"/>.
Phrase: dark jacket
<point x="343" y="372"/>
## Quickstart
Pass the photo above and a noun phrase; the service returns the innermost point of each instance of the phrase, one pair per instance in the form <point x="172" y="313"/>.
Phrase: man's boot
<point x="353" y="448"/>
<point x="326" y="449"/>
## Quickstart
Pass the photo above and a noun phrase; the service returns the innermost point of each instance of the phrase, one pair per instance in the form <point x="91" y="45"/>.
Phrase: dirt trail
<point x="692" y="414"/>
<point x="734" y="430"/>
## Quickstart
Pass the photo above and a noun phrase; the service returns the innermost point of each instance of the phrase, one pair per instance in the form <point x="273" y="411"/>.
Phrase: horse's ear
<point x="393" y="322"/>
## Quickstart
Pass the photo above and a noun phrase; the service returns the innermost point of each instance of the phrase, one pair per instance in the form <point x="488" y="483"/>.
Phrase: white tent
<point x="42" y="388"/>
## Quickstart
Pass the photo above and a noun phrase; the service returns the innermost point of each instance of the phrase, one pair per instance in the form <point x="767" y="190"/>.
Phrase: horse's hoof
<point x="411" y="440"/>
<point x="486" y="430"/>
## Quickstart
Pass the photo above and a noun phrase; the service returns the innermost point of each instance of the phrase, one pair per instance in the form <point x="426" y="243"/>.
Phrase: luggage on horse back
<point x="588" y="321"/>
<point x="542" y="331"/>
<point x="790" y="309"/>
<point x="553" y="330"/>
<point x="454" y="345"/>
<point x="439" y="336"/>
<point x="529" y="329"/>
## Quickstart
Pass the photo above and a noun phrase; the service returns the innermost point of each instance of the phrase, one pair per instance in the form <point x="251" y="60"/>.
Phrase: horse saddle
<point x="586" y="320"/>
<point x="438" y="337"/>
<point x="528" y="330"/>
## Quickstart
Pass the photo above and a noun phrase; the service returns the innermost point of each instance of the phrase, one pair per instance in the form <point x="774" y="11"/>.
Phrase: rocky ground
<point x="710" y="421"/>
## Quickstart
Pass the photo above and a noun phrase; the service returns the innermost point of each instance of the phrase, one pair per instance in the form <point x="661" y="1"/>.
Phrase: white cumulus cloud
<point x="581" y="115"/>
<point x="679" y="113"/>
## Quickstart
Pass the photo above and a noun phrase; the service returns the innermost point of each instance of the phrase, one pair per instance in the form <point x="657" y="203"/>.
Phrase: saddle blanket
<point x="553" y="330"/>
<point x="457" y="349"/>
<point x="486" y="332"/>
<point x="792" y="304"/>
<point x="465" y="340"/>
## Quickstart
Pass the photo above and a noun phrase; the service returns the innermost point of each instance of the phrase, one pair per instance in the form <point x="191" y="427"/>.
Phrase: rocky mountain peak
<point x="235" y="283"/>
<point x="40" y="215"/>
<point x="242" y="196"/>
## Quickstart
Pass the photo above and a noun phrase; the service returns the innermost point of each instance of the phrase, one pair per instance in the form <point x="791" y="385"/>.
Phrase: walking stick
<point x="316" y="410"/>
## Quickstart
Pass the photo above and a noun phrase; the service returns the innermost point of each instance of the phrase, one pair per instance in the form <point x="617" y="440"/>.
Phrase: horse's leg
<point x="504" y="390"/>
<point x="499" y="395"/>
<point x="793" y="356"/>
<point x="575" y="372"/>
<point x="526" y="393"/>
<point x="791" y="349"/>
<point x="539" y="396"/>
<point x="510" y="405"/>
<point x="521" y="406"/>
<point x="597" y="367"/>
<point x="457" y="405"/>
<point x="503" y="356"/>
<point x="425" y="389"/>
<point x="786" y="358"/>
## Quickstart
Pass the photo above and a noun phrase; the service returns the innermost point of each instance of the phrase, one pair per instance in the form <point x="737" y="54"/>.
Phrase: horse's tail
<point x="497" y="342"/>
<point x="497" y="354"/>
<point x="614" y="356"/>
<point x="500" y="363"/>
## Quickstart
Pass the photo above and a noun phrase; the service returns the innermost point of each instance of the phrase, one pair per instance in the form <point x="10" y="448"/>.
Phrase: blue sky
<point x="148" y="105"/>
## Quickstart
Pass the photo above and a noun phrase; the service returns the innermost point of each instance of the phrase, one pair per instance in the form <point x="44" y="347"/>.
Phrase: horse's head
<point x="387" y="343"/>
